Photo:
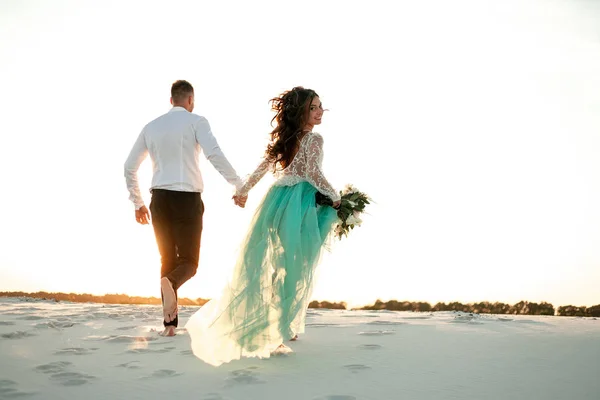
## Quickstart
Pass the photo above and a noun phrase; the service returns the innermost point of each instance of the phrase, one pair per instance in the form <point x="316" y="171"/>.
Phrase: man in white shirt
<point x="174" y="142"/>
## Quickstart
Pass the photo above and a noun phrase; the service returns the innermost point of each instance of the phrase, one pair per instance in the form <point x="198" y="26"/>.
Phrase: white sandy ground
<point x="65" y="350"/>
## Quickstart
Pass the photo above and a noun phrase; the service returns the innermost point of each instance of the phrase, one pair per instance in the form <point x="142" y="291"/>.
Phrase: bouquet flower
<point x="352" y="204"/>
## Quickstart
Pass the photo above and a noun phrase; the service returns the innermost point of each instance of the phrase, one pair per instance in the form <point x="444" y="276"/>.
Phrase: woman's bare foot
<point x="282" y="349"/>
<point x="169" y="300"/>
<point x="294" y="338"/>
<point x="169" y="331"/>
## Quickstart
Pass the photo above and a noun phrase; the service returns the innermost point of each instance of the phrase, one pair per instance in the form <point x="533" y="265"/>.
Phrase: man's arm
<point x="214" y="154"/>
<point x="137" y="155"/>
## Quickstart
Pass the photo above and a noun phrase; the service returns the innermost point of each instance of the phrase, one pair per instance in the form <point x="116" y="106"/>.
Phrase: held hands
<point x="336" y="204"/>
<point x="240" y="200"/>
<point x="142" y="216"/>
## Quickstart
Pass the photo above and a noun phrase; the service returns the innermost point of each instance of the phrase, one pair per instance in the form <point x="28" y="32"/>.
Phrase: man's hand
<point x="142" y="216"/>
<point x="240" y="200"/>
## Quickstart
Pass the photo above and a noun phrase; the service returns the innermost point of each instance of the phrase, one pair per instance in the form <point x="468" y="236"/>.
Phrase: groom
<point x="174" y="141"/>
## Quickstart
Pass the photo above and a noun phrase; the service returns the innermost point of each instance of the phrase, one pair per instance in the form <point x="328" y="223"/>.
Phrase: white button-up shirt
<point x="174" y="141"/>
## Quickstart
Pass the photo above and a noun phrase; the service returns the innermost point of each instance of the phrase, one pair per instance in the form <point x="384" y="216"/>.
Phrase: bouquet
<point x="352" y="204"/>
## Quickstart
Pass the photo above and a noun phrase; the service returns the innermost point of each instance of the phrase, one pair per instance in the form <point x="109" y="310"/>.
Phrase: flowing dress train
<point x="265" y="302"/>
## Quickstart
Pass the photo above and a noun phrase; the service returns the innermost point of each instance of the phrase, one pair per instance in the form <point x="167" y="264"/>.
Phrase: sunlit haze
<point x="474" y="126"/>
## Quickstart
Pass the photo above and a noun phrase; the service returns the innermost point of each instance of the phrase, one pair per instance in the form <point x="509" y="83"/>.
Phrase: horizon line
<point x="201" y="301"/>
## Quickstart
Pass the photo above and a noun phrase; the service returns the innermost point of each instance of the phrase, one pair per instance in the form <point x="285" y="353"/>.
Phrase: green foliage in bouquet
<point x="353" y="203"/>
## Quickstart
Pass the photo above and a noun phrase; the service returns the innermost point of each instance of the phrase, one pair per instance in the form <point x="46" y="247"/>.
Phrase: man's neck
<point x="180" y="106"/>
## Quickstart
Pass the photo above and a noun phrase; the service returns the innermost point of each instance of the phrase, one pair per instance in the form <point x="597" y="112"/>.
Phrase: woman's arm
<point x="315" y="176"/>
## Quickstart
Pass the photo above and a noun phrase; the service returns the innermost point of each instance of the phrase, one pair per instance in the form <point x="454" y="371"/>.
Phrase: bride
<point x="265" y="302"/>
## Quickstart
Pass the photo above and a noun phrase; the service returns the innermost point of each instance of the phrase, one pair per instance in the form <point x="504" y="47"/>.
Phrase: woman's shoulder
<point x="309" y="136"/>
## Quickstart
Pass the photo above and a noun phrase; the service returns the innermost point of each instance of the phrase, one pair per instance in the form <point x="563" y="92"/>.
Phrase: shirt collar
<point x="177" y="108"/>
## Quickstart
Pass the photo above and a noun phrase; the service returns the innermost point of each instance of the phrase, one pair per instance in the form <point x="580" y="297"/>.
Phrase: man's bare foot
<point x="169" y="300"/>
<point x="169" y="331"/>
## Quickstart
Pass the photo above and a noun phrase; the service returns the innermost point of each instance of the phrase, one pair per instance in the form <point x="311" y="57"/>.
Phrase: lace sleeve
<point x="253" y="178"/>
<point x="314" y="175"/>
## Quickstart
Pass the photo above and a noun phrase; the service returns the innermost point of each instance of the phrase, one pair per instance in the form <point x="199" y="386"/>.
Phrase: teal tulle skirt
<point x="265" y="302"/>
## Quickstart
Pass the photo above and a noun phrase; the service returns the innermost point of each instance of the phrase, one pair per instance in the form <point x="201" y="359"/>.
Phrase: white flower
<point x="348" y="189"/>
<point x="353" y="220"/>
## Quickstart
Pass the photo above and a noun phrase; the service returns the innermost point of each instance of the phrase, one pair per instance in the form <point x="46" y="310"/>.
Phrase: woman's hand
<point x="336" y="204"/>
<point x="240" y="201"/>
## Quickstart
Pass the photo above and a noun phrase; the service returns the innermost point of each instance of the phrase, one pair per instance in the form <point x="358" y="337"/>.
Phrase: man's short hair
<point x="181" y="89"/>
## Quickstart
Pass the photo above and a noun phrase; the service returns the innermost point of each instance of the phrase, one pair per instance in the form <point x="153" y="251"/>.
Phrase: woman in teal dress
<point x="265" y="303"/>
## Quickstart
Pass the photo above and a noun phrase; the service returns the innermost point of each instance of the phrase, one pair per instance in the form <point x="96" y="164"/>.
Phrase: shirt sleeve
<point x="314" y="174"/>
<point x="254" y="177"/>
<point x="214" y="154"/>
<point x="137" y="155"/>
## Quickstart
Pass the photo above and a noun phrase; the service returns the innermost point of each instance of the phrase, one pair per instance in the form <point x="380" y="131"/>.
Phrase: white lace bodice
<point x="306" y="166"/>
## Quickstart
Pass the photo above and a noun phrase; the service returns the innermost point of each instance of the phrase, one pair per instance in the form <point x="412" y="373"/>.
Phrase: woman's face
<point x="315" y="112"/>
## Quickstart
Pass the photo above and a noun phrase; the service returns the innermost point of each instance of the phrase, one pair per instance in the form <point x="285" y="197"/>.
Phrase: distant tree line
<point x="107" y="298"/>
<point x="520" y="308"/>
<point x="485" y="307"/>
<point x="328" y="305"/>
<point x="574" y="311"/>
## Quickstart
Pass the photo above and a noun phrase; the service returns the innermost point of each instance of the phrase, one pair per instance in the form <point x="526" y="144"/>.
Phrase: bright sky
<point x="475" y="125"/>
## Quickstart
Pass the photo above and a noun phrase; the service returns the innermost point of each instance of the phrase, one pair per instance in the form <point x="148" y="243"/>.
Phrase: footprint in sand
<point x="75" y="351"/>
<point x="54" y="325"/>
<point x="186" y="352"/>
<point x="356" y="368"/>
<point x="336" y="397"/>
<point x="59" y="372"/>
<point x="8" y="390"/>
<point x="130" y="365"/>
<point x="151" y="351"/>
<point x="53" y="367"/>
<point x="376" y="333"/>
<point x="72" y="378"/>
<point x="246" y="376"/>
<point x="369" y="347"/>
<point x="6" y="323"/>
<point x="16" y="335"/>
<point x="163" y="373"/>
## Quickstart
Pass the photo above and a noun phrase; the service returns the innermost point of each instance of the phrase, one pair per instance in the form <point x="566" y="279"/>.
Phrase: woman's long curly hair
<point x="292" y="110"/>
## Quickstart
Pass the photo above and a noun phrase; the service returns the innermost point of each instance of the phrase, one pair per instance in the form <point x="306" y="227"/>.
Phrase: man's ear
<point x="171" y="101"/>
